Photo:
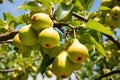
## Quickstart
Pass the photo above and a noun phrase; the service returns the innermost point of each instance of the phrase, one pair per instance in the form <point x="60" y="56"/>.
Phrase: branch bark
<point x="8" y="70"/>
<point x="5" y="37"/>
<point x="108" y="74"/>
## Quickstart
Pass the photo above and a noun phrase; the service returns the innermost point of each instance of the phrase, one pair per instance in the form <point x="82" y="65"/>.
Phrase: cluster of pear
<point x="112" y="17"/>
<point x="68" y="60"/>
<point x="39" y="31"/>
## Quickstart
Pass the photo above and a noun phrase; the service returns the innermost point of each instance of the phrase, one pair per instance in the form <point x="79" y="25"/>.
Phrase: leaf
<point x="78" y="5"/>
<point x="92" y="24"/>
<point x="63" y="11"/>
<point x="57" y="1"/>
<point x="104" y="8"/>
<point x="88" y="38"/>
<point x="30" y="8"/>
<point x="45" y="62"/>
<point x="89" y="4"/>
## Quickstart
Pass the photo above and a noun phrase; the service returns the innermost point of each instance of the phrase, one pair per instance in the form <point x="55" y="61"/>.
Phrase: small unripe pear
<point x="110" y="21"/>
<point x="41" y="21"/>
<point x="115" y="12"/>
<point x="28" y="36"/>
<point x="77" y="52"/>
<point x="49" y="38"/>
<point x="62" y="66"/>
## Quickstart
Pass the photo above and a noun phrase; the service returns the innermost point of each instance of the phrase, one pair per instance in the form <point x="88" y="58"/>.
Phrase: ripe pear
<point x="110" y="21"/>
<point x="28" y="36"/>
<point x="49" y="38"/>
<point x="77" y="52"/>
<point x="115" y="12"/>
<point x="18" y="44"/>
<point x="41" y="21"/>
<point x="62" y="66"/>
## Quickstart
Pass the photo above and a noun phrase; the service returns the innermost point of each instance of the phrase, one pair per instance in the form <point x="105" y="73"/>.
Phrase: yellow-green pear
<point x="110" y="21"/>
<point x="115" y="12"/>
<point x="62" y="66"/>
<point x="21" y="48"/>
<point x="48" y="71"/>
<point x="28" y="36"/>
<point x="41" y="21"/>
<point x="49" y="38"/>
<point x="77" y="52"/>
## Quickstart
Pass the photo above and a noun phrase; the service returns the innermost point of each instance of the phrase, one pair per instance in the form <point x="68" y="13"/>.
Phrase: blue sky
<point x="12" y="8"/>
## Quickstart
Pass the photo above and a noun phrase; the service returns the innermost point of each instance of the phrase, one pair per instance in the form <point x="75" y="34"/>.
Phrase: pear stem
<point x="74" y="33"/>
<point x="65" y="40"/>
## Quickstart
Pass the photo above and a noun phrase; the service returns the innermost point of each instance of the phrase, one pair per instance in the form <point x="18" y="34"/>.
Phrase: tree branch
<point x="108" y="74"/>
<point x="5" y="37"/>
<point x="8" y="70"/>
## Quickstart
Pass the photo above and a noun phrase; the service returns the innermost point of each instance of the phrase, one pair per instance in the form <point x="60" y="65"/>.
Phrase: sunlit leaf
<point x="88" y="38"/>
<point x="92" y="24"/>
<point x="63" y="11"/>
<point x="104" y="8"/>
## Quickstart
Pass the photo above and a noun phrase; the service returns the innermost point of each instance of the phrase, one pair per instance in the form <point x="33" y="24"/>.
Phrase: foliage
<point x="68" y="16"/>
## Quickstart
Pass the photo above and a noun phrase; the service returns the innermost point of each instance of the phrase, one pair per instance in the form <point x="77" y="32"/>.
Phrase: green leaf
<point x="45" y="63"/>
<point x="104" y="8"/>
<point x="63" y="11"/>
<point x="33" y="8"/>
<point x="88" y="38"/>
<point x="78" y="5"/>
<point x="57" y="1"/>
<point x="92" y="24"/>
<point x="89" y="4"/>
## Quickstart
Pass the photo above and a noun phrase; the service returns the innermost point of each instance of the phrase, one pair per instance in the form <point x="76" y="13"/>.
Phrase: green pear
<point x="108" y="3"/>
<point x="18" y="44"/>
<point x="115" y="12"/>
<point x="41" y="21"/>
<point x="28" y="36"/>
<point x="48" y="71"/>
<point x="62" y="66"/>
<point x="49" y="38"/>
<point x="110" y="21"/>
<point x="77" y="52"/>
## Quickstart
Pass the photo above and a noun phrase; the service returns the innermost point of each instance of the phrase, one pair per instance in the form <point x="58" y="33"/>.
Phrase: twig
<point x="108" y="74"/>
<point x="8" y="41"/>
<point x="80" y="17"/>
<point x="5" y="37"/>
<point x="8" y="70"/>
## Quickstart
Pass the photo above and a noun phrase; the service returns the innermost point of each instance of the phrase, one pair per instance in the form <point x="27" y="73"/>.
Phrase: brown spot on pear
<point x="41" y="21"/>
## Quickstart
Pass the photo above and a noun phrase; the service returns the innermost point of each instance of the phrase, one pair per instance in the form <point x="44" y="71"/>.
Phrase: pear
<point x="28" y="36"/>
<point x="110" y="21"/>
<point x="41" y="21"/>
<point x="62" y="66"/>
<point x="49" y="38"/>
<point x="115" y="12"/>
<point x="77" y="52"/>
<point x="48" y="71"/>
<point x="18" y="44"/>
